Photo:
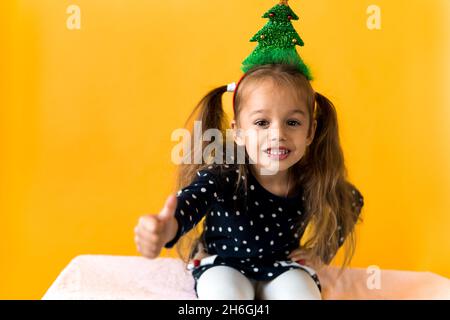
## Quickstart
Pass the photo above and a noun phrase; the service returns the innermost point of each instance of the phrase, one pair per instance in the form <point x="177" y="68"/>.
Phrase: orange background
<point x="86" y="117"/>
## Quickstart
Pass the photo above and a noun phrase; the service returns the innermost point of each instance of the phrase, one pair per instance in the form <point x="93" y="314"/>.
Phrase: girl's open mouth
<point x="278" y="153"/>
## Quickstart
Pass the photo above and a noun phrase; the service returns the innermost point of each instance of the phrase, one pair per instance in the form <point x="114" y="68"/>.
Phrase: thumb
<point x="168" y="211"/>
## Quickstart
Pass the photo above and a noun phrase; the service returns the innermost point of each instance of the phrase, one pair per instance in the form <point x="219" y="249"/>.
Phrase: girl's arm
<point x="193" y="202"/>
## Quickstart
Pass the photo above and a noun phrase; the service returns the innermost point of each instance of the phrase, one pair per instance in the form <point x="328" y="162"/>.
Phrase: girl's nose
<point x="277" y="133"/>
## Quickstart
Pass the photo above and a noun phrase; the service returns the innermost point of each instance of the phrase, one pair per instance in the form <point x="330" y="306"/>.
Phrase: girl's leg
<point x="294" y="284"/>
<point x="224" y="283"/>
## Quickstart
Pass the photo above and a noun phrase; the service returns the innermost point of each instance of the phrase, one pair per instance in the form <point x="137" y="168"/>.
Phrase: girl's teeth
<point x="277" y="152"/>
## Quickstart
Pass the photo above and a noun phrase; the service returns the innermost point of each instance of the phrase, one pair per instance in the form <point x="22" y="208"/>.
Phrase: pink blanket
<point x="121" y="277"/>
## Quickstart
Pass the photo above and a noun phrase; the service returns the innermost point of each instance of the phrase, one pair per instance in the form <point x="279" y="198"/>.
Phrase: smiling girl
<point x="270" y="223"/>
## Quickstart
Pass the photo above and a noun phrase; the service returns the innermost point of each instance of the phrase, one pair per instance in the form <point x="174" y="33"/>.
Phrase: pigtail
<point x="327" y="192"/>
<point x="212" y="116"/>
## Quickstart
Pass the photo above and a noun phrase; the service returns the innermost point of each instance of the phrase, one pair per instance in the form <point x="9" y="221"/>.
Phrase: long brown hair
<point x="321" y="173"/>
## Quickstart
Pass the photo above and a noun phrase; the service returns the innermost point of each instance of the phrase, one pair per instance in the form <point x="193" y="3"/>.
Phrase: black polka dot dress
<point x="252" y="231"/>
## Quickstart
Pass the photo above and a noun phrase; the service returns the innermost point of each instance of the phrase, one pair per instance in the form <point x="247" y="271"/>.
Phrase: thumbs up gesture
<point x="153" y="231"/>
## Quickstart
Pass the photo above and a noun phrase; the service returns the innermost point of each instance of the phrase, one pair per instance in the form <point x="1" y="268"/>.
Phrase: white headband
<point x="231" y="87"/>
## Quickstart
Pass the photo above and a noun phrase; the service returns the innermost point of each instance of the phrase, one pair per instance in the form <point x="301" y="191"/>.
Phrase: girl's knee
<point x="224" y="283"/>
<point x="294" y="284"/>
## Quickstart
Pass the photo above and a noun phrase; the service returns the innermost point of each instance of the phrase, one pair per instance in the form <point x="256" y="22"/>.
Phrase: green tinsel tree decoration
<point x="277" y="41"/>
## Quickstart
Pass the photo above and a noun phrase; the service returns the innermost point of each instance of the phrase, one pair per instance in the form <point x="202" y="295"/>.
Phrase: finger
<point x="169" y="208"/>
<point x="145" y="247"/>
<point x="296" y="252"/>
<point x="138" y="245"/>
<point x="150" y="251"/>
<point x="298" y="258"/>
<point x="148" y="237"/>
<point x="149" y="223"/>
<point x="149" y="241"/>
<point x="136" y="230"/>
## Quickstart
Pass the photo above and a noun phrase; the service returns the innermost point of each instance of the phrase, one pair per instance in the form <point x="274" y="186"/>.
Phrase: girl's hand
<point x="305" y="257"/>
<point x="201" y="253"/>
<point x="153" y="231"/>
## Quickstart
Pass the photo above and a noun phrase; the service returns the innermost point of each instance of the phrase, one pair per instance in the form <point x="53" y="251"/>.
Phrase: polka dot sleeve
<point x="193" y="202"/>
<point x="357" y="204"/>
<point x="358" y="201"/>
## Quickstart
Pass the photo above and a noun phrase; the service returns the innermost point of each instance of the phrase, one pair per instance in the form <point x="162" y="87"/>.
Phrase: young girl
<point x="253" y="243"/>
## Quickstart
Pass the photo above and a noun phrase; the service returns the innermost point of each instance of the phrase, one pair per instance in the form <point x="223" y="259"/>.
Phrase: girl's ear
<point x="237" y="134"/>
<point x="310" y="139"/>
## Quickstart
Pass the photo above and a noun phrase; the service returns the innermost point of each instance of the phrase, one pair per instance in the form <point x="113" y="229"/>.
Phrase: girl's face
<point x="273" y="126"/>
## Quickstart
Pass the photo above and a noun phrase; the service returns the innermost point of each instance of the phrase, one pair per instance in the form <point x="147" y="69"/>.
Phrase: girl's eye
<point x="293" y="123"/>
<point x="261" y="123"/>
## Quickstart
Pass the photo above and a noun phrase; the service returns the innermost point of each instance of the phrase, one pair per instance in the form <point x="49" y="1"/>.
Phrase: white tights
<point x="226" y="283"/>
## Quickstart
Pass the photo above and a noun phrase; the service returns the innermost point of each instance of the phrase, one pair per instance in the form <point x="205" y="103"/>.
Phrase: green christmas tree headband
<point x="277" y="42"/>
